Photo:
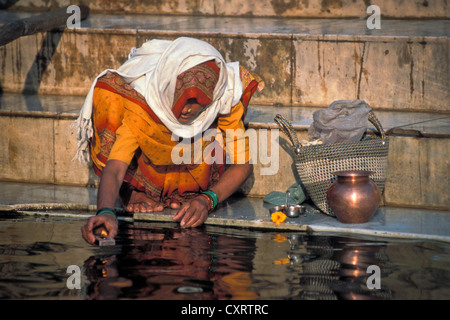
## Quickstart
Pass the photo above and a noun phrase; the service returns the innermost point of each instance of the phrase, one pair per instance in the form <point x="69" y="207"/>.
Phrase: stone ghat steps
<point x="304" y="62"/>
<point x="403" y="9"/>
<point x="38" y="146"/>
<point x="71" y="202"/>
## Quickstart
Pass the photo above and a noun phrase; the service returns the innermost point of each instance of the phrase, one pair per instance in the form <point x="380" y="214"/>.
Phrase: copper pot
<point x="353" y="197"/>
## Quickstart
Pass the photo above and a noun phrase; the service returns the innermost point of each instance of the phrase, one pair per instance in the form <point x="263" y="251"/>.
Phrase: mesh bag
<point x="316" y="164"/>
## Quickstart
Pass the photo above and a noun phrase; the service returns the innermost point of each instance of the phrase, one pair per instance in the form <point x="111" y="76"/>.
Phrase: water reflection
<point x="323" y="267"/>
<point x="340" y="269"/>
<point x="173" y="263"/>
<point x="162" y="261"/>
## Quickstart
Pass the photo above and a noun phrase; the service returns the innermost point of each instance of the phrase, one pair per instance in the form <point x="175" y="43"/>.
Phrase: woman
<point x="134" y="117"/>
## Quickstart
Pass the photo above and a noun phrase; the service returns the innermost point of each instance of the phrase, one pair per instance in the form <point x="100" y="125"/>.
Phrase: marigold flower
<point x="278" y="217"/>
<point x="282" y="261"/>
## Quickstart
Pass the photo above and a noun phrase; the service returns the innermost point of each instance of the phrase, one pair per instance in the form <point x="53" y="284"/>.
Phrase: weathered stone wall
<point x="388" y="73"/>
<point x="40" y="149"/>
<point x="265" y="8"/>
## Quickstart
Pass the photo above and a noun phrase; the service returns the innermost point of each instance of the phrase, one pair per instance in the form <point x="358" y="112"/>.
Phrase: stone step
<point x="252" y="8"/>
<point x="39" y="145"/>
<point x="70" y="202"/>
<point x="304" y="62"/>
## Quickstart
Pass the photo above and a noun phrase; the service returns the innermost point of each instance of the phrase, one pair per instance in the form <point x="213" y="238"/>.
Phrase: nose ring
<point x="189" y="110"/>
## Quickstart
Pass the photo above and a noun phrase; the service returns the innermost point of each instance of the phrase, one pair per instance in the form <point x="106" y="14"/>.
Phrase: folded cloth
<point x="342" y="121"/>
<point x="295" y="196"/>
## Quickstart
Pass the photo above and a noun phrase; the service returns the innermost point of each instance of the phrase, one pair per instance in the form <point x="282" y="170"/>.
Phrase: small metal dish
<point x="289" y="211"/>
<point x="295" y="211"/>
<point x="277" y="209"/>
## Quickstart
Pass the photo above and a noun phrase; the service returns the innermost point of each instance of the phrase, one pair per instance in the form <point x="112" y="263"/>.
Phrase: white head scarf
<point x="152" y="70"/>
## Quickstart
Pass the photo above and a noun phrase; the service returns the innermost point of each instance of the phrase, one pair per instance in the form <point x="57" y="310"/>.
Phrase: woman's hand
<point x="95" y="225"/>
<point x="193" y="213"/>
<point x="108" y="191"/>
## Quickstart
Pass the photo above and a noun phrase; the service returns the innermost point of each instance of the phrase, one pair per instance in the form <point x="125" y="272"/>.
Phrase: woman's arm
<point x="231" y="180"/>
<point x="108" y="191"/>
<point x="110" y="183"/>
<point x="196" y="212"/>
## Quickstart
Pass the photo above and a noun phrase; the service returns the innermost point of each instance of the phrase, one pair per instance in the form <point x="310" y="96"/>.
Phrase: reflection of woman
<point x="158" y="263"/>
<point x="166" y="90"/>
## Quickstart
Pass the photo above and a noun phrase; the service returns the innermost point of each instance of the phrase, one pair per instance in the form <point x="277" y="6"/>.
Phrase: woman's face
<point x="190" y="111"/>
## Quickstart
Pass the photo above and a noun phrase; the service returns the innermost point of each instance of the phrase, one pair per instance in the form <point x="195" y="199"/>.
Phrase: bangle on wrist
<point x="213" y="197"/>
<point x="210" y="204"/>
<point x="106" y="210"/>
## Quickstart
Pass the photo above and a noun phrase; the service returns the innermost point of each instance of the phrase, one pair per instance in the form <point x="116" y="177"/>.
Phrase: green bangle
<point x="211" y="201"/>
<point x="106" y="210"/>
<point x="213" y="196"/>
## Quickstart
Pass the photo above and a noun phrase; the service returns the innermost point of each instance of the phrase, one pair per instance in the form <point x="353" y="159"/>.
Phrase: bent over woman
<point x="135" y="119"/>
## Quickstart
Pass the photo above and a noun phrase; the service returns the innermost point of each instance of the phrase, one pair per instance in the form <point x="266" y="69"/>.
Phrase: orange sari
<point x="126" y="129"/>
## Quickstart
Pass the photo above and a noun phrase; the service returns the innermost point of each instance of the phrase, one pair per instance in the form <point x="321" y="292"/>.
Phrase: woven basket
<point x="316" y="164"/>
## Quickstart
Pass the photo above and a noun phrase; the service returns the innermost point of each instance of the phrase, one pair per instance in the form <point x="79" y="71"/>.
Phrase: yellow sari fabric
<point x="126" y="129"/>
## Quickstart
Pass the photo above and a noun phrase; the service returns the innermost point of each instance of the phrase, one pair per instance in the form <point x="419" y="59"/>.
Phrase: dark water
<point x="162" y="261"/>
